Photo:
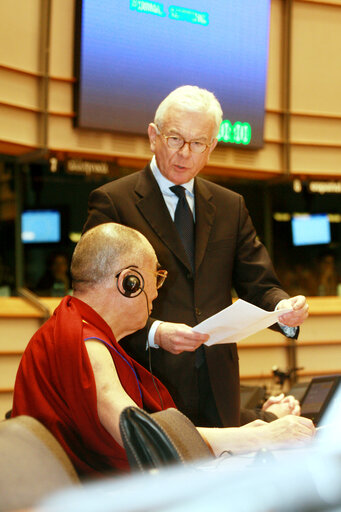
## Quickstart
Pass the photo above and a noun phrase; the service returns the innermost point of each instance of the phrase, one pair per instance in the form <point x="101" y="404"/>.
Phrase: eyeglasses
<point x="175" y="142"/>
<point x="160" y="276"/>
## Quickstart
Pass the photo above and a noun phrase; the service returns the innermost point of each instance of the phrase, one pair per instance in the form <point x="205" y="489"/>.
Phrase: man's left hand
<point x="299" y="311"/>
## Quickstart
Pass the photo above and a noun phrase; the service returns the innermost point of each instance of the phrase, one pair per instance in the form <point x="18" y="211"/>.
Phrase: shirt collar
<point x="164" y="183"/>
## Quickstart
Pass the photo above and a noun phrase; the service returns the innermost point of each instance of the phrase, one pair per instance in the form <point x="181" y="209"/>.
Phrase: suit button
<point x="198" y="312"/>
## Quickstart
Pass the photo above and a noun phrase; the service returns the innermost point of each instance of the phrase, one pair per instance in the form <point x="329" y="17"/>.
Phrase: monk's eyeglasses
<point x="160" y="276"/>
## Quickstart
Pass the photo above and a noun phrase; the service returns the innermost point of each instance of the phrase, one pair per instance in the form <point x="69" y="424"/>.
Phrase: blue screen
<point x="310" y="229"/>
<point x="132" y="53"/>
<point x="40" y="226"/>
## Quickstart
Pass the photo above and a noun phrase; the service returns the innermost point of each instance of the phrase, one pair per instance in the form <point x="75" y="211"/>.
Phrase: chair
<point x="32" y="463"/>
<point x="160" y="439"/>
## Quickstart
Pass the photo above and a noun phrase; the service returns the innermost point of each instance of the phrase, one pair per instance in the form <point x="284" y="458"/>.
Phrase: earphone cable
<point x="150" y="358"/>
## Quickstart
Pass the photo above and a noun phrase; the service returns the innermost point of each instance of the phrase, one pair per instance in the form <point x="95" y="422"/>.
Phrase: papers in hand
<point x="236" y="322"/>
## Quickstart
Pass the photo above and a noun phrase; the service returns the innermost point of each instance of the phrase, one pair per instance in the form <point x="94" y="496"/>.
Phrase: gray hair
<point x="103" y="251"/>
<point x="190" y="98"/>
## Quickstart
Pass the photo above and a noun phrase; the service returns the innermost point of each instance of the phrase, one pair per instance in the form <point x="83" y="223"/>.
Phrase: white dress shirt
<point x="171" y="201"/>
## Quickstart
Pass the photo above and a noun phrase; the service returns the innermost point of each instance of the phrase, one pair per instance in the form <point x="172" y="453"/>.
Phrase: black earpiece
<point x="132" y="284"/>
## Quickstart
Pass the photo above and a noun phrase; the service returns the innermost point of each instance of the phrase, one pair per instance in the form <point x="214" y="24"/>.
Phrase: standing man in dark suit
<point x="222" y="252"/>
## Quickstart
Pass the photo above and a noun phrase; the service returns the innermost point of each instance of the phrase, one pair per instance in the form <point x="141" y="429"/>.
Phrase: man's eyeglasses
<point x="176" y="142"/>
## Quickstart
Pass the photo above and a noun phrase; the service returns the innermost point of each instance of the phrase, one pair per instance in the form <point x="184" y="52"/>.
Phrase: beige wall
<point x="315" y="99"/>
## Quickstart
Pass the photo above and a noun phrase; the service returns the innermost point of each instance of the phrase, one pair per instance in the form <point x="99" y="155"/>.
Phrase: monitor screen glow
<point x="310" y="229"/>
<point x="40" y="226"/>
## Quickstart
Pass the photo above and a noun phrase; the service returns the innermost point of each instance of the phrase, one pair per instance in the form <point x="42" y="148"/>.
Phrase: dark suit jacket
<point x="227" y="253"/>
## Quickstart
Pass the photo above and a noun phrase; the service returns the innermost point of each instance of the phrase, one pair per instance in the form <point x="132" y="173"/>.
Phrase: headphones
<point x="132" y="284"/>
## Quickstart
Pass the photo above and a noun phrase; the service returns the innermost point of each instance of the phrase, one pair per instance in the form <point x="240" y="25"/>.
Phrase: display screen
<point x="329" y="435"/>
<point x="41" y="226"/>
<point x="316" y="397"/>
<point x="130" y="54"/>
<point x="310" y="229"/>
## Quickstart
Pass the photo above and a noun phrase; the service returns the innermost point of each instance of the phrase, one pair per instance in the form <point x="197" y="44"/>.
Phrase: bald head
<point x="103" y="251"/>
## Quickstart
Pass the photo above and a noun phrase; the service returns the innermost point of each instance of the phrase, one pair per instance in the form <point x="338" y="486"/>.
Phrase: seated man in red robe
<point x="76" y="379"/>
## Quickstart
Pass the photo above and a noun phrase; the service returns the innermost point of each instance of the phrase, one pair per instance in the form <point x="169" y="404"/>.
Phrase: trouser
<point x="208" y="415"/>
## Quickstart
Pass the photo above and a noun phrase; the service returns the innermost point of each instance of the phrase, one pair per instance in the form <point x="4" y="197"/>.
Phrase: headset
<point x="132" y="284"/>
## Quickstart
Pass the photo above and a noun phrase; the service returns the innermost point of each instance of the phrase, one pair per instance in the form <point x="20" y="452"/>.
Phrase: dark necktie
<point x="184" y="222"/>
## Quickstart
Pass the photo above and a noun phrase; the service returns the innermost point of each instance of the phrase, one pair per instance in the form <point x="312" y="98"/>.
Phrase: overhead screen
<point x="131" y="53"/>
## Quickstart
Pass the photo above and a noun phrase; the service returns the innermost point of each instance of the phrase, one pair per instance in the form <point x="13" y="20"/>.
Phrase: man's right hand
<point x="288" y="429"/>
<point x="177" y="338"/>
<point x="291" y="429"/>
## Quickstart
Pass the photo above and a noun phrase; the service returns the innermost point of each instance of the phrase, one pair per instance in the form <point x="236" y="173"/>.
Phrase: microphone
<point x="281" y="375"/>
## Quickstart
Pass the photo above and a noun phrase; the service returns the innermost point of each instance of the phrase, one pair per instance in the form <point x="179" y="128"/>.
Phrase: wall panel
<point x="18" y="126"/>
<point x="315" y="108"/>
<point x="20" y="34"/>
<point x="316" y="69"/>
<point x="62" y="27"/>
<point x="316" y="161"/>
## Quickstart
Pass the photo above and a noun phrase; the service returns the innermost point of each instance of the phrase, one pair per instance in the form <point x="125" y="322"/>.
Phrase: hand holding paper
<point x="298" y="313"/>
<point x="236" y="322"/>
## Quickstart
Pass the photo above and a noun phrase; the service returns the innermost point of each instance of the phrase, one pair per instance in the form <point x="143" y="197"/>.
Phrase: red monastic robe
<point x="55" y="384"/>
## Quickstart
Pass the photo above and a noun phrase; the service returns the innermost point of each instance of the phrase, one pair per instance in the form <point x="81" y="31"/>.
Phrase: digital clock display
<point x="237" y="133"/>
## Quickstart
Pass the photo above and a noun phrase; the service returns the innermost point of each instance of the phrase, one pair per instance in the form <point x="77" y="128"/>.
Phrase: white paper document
<point x="236" y="322"/>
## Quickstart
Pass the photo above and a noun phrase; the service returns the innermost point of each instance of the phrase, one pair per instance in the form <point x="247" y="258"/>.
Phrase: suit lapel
<point x="204" y="217"/>
<point x="152" y="206"/>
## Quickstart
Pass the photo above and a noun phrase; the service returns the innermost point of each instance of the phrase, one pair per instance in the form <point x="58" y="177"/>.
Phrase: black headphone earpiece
<point x="132" y="284"/>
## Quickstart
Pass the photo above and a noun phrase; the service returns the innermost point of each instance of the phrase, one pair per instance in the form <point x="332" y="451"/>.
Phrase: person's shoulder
<point x="90" y="331"/>
<point x="217" y="190"/>
<point x="40" y="342"/>
<point x="124" y="183"/>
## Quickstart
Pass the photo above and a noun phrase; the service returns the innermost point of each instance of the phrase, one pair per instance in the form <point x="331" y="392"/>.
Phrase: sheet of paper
<point x="237" y="322"/>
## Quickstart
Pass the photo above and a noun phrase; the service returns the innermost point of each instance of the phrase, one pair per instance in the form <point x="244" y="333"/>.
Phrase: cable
<point x="150" y="357"/>
<point x="122" y="357"/>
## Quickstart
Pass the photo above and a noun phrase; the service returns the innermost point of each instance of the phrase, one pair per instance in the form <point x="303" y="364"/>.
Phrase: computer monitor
<point x="318" y="395"/>
<point x="41" y="226"/>
<point x="298" y="390"/>
<point x="251" y="396"/>
<point x="310" y="229"/>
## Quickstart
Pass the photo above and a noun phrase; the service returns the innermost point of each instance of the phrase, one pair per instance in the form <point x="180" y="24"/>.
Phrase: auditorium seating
<point x="160" y="439"/>
<point x="32" y="464"/>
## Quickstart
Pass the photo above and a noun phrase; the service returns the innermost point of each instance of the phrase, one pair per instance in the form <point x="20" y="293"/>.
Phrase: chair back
<point x="184" y="435"/>
<point x="160" y="439"/>
<point x="32" y="463"/>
